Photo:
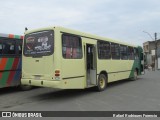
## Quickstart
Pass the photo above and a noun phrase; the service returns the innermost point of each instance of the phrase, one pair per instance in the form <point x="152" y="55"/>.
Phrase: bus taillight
<point x="57" y="73"/>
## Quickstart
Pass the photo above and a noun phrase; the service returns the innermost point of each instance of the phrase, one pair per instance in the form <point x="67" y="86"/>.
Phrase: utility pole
<point x="155" y="34"/>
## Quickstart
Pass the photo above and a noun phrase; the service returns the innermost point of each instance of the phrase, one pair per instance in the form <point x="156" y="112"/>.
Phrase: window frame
<point x="13" y="43"/>
<point x="122" y="52"/>
<point x="129" y="53"/>
<point x="71" y="35"/>
<point x="136" y="53"/>
<point x="5" y="41"/>
<point x="1" y="43"/>
<point x="16" y="41"/>
<point x="116" y="57"/>
<point x="19" y="42"/>
<point x="98" y="48"/>
<point x="40" y="54"/>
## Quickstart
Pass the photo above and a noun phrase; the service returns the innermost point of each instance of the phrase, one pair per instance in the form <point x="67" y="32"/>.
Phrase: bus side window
<point x="130" y="53"/>
<point x="19" y="47"/>
<point x="71" y="47"/>
<point x="123" y="51"/>
<point x="115" y="50"/>
<point x="104" y="51"/>
<point x="9" y="48"/>
<point x="136" y="53"/>
<point x="0" y="48"/>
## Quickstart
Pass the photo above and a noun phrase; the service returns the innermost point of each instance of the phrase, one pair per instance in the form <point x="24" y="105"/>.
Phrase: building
<point x="149" y="51"/>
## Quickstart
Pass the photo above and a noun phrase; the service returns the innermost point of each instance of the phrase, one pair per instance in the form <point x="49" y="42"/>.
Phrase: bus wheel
<point x="135" y="77"/>
<point x="102" y="82"/>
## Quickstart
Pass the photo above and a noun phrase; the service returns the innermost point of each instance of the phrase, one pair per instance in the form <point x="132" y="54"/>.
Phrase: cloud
<point x="123" y="20"/>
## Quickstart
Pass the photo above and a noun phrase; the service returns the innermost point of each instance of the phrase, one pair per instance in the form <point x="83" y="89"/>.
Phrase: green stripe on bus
<point x="17" y="36"/>
<point x="137" y="64"/>
<point x="9" y="63"/>
<point x="133" y="68"/>
<point x="5" y="76"/>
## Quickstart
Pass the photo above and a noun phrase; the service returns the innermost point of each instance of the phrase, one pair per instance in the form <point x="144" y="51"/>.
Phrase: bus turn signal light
<point x="57" y="73"/>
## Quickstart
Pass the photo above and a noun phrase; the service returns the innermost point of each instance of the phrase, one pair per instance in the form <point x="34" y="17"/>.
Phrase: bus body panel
<point x="10" y="63"/>
<point x="43" y="67"/>
<point x="73" y="73"/>
<point x="116" y="69"/>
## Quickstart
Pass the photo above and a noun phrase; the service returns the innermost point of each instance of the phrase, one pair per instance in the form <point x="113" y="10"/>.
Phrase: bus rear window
<point x="39" y="43"/>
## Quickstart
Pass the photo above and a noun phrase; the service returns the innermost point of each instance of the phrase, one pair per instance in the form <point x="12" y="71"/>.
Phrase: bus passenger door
<point x="91" y="64"/>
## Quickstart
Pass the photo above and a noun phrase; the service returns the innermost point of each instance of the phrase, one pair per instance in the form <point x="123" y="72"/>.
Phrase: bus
<point x="10" y="60"/>
<point x="62" y="58"/>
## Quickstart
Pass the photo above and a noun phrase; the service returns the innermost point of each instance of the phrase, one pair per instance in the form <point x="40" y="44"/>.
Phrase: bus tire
<point x="135" y="76"/>
<point x="102" y="82"/>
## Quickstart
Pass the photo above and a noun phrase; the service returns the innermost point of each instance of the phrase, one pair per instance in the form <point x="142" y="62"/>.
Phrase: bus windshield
<point x="39" y="43"/>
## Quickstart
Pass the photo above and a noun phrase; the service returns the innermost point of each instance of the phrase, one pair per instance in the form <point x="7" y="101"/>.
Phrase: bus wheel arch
<point x="105" y="73"/>
<point x="102" y="81"/>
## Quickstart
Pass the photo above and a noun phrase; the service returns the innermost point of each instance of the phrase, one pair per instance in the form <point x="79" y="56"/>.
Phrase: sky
<point x="123" y="20"/>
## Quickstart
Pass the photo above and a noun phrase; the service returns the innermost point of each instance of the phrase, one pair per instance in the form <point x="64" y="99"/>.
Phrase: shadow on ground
<point x="10" y="90"/>
<point x="73" y="93"/>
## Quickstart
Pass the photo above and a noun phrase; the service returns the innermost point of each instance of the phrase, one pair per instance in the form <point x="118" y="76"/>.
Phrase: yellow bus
<point x="62" y="58"/>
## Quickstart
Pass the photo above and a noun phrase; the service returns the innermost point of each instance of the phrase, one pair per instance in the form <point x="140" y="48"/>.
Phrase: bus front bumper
<point x="41" y="83"/>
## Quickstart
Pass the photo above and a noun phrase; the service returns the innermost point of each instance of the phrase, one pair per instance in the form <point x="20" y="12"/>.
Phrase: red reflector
<point x="57" y="74"/>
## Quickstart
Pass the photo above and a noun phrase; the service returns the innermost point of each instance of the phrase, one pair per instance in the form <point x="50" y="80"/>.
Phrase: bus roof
<point x="3" y="35"/>
<point x="82" y="34"/>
